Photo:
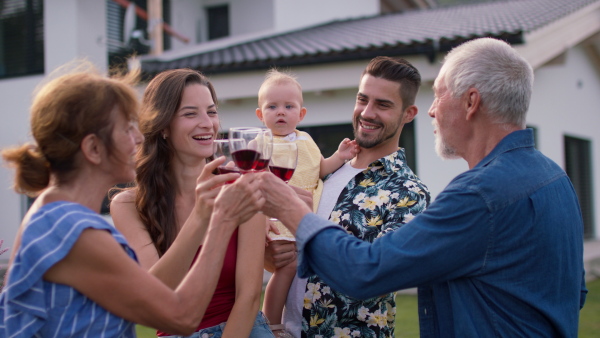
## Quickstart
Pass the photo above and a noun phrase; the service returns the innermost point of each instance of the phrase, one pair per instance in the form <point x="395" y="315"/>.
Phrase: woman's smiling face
<point x="195" y="123"/>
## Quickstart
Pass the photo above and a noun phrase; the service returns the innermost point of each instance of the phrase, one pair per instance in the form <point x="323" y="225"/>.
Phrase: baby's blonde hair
<point x="275" y="76"/>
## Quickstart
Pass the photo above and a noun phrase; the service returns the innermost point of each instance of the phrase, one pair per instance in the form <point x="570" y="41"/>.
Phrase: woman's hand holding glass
<point x="208" y="187"/>
<point x="238" y="202"/>
<point x="222" y="148"/>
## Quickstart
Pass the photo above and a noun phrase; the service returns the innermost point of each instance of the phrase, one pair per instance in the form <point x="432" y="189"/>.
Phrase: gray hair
<point x="502" y="76"/>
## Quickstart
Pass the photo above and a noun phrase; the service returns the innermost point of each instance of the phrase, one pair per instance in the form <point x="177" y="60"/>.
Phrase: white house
<point x="327" y="43"/>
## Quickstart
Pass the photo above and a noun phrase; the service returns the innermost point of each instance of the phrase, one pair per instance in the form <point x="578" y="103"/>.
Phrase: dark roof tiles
<point x="408" y="32"/>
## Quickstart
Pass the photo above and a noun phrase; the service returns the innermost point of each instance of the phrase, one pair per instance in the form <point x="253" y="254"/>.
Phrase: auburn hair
<point x="65" y="109"/>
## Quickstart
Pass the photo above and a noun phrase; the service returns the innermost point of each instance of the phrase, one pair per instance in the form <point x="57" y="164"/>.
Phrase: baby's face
<point x="281" y="108"/>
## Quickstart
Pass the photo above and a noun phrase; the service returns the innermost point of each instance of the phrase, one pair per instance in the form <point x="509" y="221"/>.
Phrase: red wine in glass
<point x="261" y="164"/>
<point x="246" y="159"/>
<point x="284" y="173"/>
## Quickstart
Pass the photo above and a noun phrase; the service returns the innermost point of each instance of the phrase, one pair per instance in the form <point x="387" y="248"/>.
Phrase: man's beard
<point x="384" y="135"/>
<point x="441" y="147"/>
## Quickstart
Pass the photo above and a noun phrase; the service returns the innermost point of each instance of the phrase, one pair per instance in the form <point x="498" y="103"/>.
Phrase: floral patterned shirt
<point x="377" y="201"/>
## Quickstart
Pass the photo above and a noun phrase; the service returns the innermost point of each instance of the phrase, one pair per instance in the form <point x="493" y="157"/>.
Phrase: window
<point x="218" y="21"/>
<point x="21" y="37"/>
<point x="328" y="139"/>
<point x="578" y="164"/>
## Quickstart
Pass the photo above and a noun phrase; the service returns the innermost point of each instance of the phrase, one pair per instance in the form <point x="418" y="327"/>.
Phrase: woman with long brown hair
<point x="71" y="273"/>
<point x="165" y="222"/>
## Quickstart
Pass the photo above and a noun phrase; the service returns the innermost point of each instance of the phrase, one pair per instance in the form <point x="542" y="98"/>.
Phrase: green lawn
<point x="407" y="324"/>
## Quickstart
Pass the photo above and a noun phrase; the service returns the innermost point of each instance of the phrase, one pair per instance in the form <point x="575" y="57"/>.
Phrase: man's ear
<point x="409" y="114"/>
<point x="472" y="102"/>
<point x="302" y="114"/>
<point x="92" y="148"/>
<point x="259" y="114"/>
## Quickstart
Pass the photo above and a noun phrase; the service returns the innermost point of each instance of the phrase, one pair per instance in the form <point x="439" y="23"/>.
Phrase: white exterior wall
<point x="251" y="16"/>
<point x="187" y="19"/>
<point x="73" y="29"/>
<point x="257" y="18"/>
<point x="296" y="14"/>
<point x="15" y="99"/>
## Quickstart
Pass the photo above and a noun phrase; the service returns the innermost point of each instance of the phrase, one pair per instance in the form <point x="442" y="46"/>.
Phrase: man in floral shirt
<point x="370" y="196"/>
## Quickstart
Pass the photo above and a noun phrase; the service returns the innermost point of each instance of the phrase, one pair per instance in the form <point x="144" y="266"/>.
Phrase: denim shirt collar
<point x="390" y="163"/>
<point x="516" y="139"/>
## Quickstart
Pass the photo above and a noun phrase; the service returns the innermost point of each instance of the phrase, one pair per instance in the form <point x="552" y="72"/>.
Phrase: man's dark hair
<point x="396" y="70"/>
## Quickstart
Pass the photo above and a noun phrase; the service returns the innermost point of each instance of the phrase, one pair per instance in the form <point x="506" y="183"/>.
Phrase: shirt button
<point x="425" y="311"/>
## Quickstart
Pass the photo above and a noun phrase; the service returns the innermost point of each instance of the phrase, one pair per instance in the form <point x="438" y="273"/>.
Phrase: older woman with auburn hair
<point x="72" y="273"/>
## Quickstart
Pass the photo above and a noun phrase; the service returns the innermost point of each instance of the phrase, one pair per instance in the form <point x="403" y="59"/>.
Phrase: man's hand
<point x="283" y="202"/>
<point x="304" y="195"/>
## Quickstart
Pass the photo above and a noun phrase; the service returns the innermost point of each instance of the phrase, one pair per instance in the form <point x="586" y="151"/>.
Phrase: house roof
<point x="425" y="32"/>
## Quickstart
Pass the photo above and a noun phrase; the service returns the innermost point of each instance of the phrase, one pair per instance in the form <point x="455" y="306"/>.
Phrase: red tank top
<point x="220" y="306"/>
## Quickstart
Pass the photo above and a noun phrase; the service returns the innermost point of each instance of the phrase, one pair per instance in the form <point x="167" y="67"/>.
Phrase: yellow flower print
<point x="383" y="196"/>
<point x="391" y="313"/>
<point x="307" y="303"/>
<point x="327" y="303"/>
<point x="362" y="313"/>
<point x="335" y="216"/>
<point x="405" y="203"/>
<point x="375" y="221"/>
<point x="315" y="320"/>
<point x="377" y="319"/>
<point x="369" y="203"/>
<point x="312" y="291"/>
<point x="341" y="332"/>
<point x="367" y="183"/>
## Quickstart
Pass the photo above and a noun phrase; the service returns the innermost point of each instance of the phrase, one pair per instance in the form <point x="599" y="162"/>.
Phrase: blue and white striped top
<point x="32" y="307"/>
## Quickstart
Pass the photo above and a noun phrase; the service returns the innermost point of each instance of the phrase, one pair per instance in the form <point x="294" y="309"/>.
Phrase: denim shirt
<point x="499" y="253"/>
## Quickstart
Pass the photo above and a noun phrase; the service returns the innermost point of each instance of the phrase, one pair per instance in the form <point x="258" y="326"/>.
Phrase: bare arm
<point x="175" y="263"/>
<point x="346" y="151"/>
<point x="99" y="268"/>
<point x="248" y="278"/>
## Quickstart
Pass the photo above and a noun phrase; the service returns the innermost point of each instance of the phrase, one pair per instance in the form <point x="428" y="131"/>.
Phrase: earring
<point x="164" y="136"/>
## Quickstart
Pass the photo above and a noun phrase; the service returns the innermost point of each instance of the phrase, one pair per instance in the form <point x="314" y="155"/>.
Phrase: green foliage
<point x="407" y="316"/>
<point x="145" y="332"/>
<point x="589" y="325"/>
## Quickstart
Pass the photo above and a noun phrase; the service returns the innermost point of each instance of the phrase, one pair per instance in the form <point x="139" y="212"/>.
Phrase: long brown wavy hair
<point x="155" y="194"/>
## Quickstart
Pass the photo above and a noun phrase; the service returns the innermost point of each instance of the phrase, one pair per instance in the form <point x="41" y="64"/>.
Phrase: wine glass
<point x="266" y="149"/>
<point x="283" y="163"/>
<point x="245" y="145"/>
<point x="283" y="160"/>
<point x="222" y="148"/>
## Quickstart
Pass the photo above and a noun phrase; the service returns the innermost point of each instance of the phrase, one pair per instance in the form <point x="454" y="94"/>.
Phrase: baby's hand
<point x="348" y="149"/>
<point x="271" y="227"/>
